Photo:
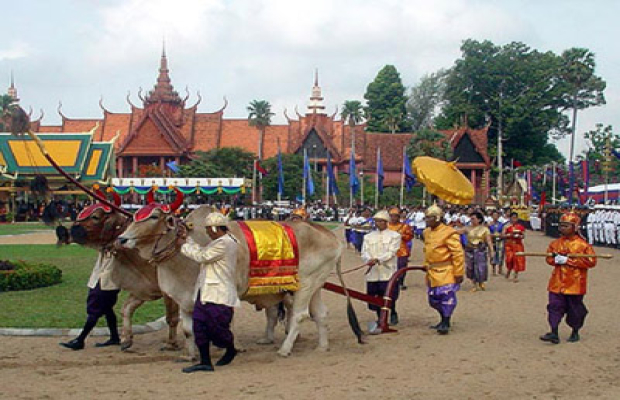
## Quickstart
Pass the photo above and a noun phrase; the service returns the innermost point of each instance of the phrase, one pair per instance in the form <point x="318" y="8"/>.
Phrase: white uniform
<point x="102" y="272"/>
<point x="610" y="228"/>
<point x="218" y="261"/>
<point x="590" y="227"/>
<point x="383" y="246"/>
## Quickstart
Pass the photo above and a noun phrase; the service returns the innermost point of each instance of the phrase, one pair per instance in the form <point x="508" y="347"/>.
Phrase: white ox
<point x="319" y="253"/>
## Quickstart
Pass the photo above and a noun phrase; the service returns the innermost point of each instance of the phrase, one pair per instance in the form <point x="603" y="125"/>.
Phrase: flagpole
<point x="377" y="179"/>
<point x="327" y="187"/>
<point x="254" y="183"/>
<point x="553" y="185"/>
<point x="279" y="159"/>
<point x="402" y="180"/>
<point x="303" y="189"/>
<point x="362" y="185"/>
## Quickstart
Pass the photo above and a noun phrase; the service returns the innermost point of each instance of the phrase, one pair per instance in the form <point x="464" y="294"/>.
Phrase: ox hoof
<point x="322" y="349"/>
<point x="284" y="353"/>
<point x="170" y="347"/>
<point x="264" y="341"/>
<point x="126" y="345"/>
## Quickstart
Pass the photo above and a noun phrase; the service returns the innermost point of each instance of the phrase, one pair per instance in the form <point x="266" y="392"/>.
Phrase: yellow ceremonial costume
<point x="443" y="255"/>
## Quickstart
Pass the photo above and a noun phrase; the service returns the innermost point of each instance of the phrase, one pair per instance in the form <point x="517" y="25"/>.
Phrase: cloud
<point x="15" y="51"/>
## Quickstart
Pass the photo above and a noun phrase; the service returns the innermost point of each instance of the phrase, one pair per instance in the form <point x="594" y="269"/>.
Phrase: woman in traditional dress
<point x="477" y="247"/>
<point x="514" y="233"/>
<point x="496" y="226"/>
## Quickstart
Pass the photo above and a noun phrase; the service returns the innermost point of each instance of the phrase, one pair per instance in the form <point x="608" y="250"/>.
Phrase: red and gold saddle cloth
<point x="274" y="257"/>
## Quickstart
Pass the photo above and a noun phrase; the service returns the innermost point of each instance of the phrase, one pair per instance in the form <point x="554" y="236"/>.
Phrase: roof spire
<point x="316" y="105"/>
<point x="163" y="92"/>
<point x="12" y="90"/>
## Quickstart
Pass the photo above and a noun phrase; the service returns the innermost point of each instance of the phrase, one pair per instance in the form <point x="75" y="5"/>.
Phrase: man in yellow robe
<point x="444" y="262"/>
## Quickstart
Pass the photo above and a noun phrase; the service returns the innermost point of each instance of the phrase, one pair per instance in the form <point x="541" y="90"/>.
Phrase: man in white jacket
<point x="215" y="292"/>
<point x="379" y="251"/>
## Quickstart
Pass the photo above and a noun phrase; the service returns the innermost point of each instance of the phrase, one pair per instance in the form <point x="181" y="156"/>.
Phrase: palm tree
<point x="353" y="113"/>
<point x="260" y="116"/>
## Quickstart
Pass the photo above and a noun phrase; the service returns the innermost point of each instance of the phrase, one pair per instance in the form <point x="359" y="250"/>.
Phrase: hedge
<point x="26" y="276"/>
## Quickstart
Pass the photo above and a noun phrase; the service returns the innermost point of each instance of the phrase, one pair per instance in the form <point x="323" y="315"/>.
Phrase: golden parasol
<point x="443" y="179"/>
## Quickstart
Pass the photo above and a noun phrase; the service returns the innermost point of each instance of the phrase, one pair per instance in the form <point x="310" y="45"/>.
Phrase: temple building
<point x="164" y="128"/>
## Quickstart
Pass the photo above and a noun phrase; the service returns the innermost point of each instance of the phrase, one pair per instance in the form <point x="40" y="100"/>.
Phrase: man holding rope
<point x="567" y="285"/>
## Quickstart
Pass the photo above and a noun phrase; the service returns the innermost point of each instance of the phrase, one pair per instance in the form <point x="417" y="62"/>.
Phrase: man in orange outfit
<point x="406" y="234"/>
<point x="567" y="285"/>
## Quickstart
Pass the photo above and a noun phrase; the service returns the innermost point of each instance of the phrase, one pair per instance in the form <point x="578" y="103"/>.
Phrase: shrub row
<point x="28" y="276"/>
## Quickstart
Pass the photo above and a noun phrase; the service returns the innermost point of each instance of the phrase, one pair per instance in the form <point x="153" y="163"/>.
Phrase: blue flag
<point x="333" y="186"/>
<point x="409" y="176"/>
<point x="354" y="183"/>
<point x="172" y="165"/>
<point x="615" y="153"/>
<point x="380" y="174"/>
<point x="308" y="176"/>
<point x="280" y="174"/>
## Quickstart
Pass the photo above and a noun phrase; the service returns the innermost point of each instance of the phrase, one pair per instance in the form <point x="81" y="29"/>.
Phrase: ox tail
<point x="351" y="315"/>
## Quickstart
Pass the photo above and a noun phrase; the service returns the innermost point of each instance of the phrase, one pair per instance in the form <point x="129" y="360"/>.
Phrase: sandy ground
<point x="493" y="352"/>
<point x="43" y="237"/>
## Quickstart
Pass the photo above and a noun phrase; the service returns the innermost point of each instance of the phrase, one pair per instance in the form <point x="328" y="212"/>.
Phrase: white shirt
<point x="383" y="246"/>
<point x="218" y="261"/>
<point x="102" y="271"/>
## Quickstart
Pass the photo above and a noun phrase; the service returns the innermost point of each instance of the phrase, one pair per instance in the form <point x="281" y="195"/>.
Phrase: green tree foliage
<point x="352" y="112"/>
<point x="513" y="88"/>
<point x="259" y="115"/>
<point x="425" y="99"/>
<point x="292" y="168"/>
<point x="597" y="141"/>
<point x="431" y="143"/>
<point x="227" y="162"/>
<point x="386" y="100"/>
<point x="5" y="103"/>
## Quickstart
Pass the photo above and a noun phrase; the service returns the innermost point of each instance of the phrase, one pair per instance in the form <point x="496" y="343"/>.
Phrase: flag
<point x="409" y="176"/>
<point x="380" y="174"/>
<point x="543" y="201"/>
<point x="333" y="185"/>
<point x="280" y="174"/>
<point x="615" y="153"/>
<point x="259" y="168"/>
<point x="172" y="165"/>
<point x="308" y="176"/>
<point x="585" y="173"/>
<point x="354" y="183"/>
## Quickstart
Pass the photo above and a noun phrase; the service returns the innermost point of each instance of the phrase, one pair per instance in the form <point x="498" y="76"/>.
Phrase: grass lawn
<point x="330" y="225"/>
<point x="21" y="228"/>
<point x="62" y="305"/>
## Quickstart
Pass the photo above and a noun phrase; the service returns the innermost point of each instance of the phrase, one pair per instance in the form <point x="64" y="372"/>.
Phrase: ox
<point x="98" y="227"/>
<point x="155" y="237"/>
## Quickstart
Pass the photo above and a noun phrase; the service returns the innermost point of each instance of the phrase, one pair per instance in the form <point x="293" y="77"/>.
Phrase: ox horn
<point x="115" y="196"/>
<point x="178" y="201"/>
<point x="98" y="192"/>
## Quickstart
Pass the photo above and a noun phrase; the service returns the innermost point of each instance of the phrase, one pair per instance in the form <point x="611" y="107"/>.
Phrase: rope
<point x="350" y="270"/>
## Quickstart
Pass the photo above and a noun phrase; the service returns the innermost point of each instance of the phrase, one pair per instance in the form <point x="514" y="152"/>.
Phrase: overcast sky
<point x="79" y="51"/>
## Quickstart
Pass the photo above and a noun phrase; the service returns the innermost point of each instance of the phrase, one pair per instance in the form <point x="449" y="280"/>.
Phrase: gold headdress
<point x="434" y="211"/>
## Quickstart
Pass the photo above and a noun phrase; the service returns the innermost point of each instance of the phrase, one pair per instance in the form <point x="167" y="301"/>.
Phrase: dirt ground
<point x="493" y="352"/>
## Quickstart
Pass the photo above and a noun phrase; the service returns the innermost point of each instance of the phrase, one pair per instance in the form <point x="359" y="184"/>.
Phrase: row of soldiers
<point x="601" y="225"/>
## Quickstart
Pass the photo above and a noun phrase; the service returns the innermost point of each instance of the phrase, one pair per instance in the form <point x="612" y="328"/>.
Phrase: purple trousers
<point x="378" y="288"/>
<point x="443" y="298"/>
<point x="476" y="264"/>
<point x="212" y="324"/>
<point x="100" y="302"/>
<point x="569" y="304"/>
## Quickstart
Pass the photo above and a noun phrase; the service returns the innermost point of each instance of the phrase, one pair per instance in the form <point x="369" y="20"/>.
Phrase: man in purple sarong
<point x="443" y="259"/>
<point x="102" y="296"/>
<point x="215" y="292"/>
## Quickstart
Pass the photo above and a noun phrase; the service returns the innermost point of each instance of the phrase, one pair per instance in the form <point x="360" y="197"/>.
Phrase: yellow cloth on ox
<point x="274" y="257"/>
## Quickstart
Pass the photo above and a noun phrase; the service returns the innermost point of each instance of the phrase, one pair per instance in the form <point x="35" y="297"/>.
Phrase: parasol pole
<point x="424" y="196"/>
<point x="402" y="180"/>
<point x="570" y="255"/>
<point x="377" y="180"/>
<point x="49" y="158"/>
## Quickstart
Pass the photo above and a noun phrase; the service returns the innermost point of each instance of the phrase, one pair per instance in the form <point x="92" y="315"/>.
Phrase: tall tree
<point x="386" y="99"/>
<point x="260" y="116"/>
<point x="5" y="104"/>
<point x="425" y="99"/>
<point x="584" y="89"/>
<point x="515" y="89"/>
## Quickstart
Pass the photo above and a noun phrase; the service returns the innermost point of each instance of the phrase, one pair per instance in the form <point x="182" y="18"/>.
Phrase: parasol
<point x="443" y="179"/>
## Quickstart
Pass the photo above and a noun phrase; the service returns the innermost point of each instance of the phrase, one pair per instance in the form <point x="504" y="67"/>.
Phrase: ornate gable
<point x="148" y="139"/>
<point x="466" y="152"/>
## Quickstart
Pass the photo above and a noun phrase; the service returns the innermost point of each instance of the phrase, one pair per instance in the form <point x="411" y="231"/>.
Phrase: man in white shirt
<point x="215" y="291"/>
<point x="102" y="296"/>
<point x="379" y="251"/>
